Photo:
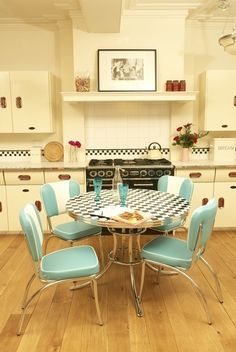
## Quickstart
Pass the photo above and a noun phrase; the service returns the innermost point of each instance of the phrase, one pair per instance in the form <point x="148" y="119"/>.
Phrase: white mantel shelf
<point x="127" y="96"/>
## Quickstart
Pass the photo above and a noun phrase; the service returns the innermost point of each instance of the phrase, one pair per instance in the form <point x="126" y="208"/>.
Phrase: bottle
<point x="169" y="85"/>
<point x="182" y="85"/>
<point x="175" y="85"/>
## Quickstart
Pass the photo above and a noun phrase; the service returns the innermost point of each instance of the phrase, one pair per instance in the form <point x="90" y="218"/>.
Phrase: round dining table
<point x="159" y="208"/>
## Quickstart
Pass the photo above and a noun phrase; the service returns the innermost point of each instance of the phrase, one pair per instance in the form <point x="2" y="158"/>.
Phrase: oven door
<point x="142" y="183"/>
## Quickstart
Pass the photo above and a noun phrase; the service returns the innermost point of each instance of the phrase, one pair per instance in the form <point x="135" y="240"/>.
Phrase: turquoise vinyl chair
<point x="68" y="264"/>
<point x="54" y="196"/>
<point x="180" y="186"/>
<point x="180" y="255"/>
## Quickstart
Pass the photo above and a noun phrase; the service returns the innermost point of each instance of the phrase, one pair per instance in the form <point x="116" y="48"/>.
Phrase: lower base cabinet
<point x="3" y="209"/>
<point x="17" y="198"/>
<point x="225" y="193"/>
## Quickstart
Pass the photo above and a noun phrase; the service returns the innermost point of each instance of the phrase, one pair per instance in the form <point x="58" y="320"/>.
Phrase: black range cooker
<point x="138" y="173"/>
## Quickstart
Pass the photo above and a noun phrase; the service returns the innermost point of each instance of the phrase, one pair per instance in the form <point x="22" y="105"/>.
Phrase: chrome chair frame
<point x="197" y="255"/>
<point x="92" y="279"/>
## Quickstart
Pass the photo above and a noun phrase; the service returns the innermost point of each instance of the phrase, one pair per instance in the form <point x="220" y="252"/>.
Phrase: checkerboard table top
<point x="161" y="205"/>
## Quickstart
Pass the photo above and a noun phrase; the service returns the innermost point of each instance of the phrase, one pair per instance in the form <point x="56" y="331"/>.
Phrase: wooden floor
<point x="62" y="320"/>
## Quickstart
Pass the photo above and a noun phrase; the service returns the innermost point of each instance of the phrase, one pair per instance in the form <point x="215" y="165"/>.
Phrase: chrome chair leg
<point x="200" y="294"/>
<point x="27" y="291"/>
<point x="101" y="249"/>
<point x="46" y="243"/>
<point x="142" y="280"/>
<point x="217" y="283"/>
<point x="95" y="292"/>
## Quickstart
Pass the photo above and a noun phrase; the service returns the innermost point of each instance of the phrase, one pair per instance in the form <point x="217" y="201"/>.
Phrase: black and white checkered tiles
<point x="161" y="205"/>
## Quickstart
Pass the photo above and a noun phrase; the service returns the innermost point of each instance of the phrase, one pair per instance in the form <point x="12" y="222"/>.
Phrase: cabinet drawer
<point x="1" y="179"/>
<point x="201" y="175"/>
<point x="225" y="175"/>
<point x="24" y="177"/>
<point x="54" y="176"/>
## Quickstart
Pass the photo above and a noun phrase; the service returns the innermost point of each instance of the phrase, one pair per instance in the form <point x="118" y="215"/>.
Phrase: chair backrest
<point x="32" y="228"/>
<point x="56" y="194"/>
<point x="202" y="220"/>
<point x="180" y="186"/>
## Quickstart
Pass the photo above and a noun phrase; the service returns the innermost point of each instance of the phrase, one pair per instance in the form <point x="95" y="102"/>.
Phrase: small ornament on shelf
<point x="82" y="82"/>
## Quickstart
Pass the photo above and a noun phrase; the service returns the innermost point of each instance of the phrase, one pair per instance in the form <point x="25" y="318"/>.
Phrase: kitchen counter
<point x="26" y="165"/>
<point x="202" y="164"/>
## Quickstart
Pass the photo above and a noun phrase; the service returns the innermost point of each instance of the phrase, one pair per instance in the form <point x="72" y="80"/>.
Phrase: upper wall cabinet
<point x="218" y="100"/>
<point x="25" y="102"/>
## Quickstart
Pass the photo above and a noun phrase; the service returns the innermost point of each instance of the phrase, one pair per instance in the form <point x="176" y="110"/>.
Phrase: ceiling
<point x="95" y="12"/>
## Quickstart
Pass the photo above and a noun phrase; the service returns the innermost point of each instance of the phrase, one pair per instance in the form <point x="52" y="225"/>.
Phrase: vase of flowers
<point x="74" y="147"/>
<point x="187" y="139"/>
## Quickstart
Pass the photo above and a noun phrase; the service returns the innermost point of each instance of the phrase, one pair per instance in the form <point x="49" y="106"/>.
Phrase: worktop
<point x="201" y="164"/>
<point x="27" y="165"/>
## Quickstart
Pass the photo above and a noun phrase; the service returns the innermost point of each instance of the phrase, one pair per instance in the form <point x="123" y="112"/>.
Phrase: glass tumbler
<point x="97" y="183"/>
<point x="123" y="192"/>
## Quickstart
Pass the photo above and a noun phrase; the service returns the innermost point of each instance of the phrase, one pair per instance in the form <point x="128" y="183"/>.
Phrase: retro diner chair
<point x="180" y="255"/>
<point x="54" y="196"/>
<point x="180" y="186"/>
<point x="68" y="264"/>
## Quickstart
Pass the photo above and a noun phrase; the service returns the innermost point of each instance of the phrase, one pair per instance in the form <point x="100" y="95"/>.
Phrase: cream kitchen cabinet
<point x="25" y="102"/>
<point x="21" y="188"/>
<point x="225" y="193"/>
<point x="218" y="100"/>
<point x="3" y="205"/>
<point x="203" y="186"/>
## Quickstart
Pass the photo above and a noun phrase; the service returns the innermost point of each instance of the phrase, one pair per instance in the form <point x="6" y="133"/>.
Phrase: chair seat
<point x="169" y="226"/>
<point x="75" y="230"/>
<point x="69" y="263"/>
<point x="168" y="250"/>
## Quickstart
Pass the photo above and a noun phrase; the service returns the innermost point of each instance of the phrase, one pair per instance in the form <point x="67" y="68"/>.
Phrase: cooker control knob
<point x="159" y="173"/>
<point x="143" y="173"/>
<point x="93" y="173"/>
<point x="125" y="173"/>
<point x="109" y="173"/>
<point x="167" y="172"/>
<point x="151" y="173"/>
<point x="101" y="173"/>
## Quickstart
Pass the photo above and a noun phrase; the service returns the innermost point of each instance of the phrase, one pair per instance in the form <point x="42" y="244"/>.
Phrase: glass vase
<point x="185" y="156"/>
<point x="73" y="154"/>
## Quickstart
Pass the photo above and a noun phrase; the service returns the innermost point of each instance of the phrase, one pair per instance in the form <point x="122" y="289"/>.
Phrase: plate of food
<point x="132" y="217"/>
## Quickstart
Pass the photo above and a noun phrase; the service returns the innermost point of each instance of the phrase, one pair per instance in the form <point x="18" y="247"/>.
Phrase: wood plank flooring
<point x="61" y="320"/>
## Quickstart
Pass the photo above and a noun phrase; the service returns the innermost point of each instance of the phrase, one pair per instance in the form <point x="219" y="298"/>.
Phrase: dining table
<point x="157" y="208"/>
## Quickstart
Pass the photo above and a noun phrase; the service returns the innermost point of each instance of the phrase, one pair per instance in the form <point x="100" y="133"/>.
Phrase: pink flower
<point x="75" y="144"/>
<point x="179" y="129"/>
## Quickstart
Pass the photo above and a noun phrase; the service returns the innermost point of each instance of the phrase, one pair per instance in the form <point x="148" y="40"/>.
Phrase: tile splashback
<point x="126" y="125"/>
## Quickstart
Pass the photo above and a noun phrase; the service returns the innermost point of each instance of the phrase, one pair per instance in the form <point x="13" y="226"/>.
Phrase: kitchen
<point x="64" y="43"/>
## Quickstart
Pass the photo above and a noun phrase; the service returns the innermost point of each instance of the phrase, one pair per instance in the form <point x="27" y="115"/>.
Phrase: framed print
<point x="123" y="70"/>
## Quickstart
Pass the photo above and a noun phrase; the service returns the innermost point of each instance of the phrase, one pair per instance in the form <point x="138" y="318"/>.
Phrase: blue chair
<point x="180" y="255"/>
<point x="54" y="196"/>
<point x="68" y="264"/>
<point x="180" y="186"/>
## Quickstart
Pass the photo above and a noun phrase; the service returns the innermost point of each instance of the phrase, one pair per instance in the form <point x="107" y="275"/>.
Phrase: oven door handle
<point x="142" y="184"/>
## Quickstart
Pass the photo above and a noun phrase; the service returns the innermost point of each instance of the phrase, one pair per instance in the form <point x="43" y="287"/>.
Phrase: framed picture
<point x="126" y="70"/>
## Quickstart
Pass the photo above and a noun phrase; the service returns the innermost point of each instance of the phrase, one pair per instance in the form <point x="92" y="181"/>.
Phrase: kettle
<point x="154" y="151"/>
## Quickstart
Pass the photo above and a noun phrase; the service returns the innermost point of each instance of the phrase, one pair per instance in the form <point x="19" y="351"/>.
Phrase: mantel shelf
<point x="127" y="96"/>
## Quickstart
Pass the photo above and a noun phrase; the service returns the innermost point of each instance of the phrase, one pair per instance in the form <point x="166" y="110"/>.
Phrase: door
<point x="225" y="193"/>
<point x="5" y="103"/>
<point x="31" y="101"/>
<point x="219" y="107"/>
<point x="17" y="198"/>
<point x="3" y="210"/>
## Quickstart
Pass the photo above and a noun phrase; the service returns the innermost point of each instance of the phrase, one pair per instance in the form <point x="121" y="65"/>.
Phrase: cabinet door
<point x="3" y="210"/>
<point x="17" y="198"/>
<point x="5" y="103"/>
<point x="31" y="101"/>
<point x="202" y="192"/>
<point x="218" y="100"/>
<point x="225" y="193"/>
